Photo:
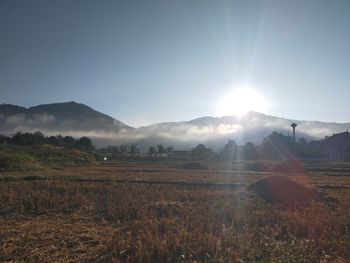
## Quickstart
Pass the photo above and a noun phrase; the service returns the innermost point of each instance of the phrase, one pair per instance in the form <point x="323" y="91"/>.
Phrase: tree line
<point x="276" y="146"/>
<point x="132" y="150"/>
<point x="37" y="138"/>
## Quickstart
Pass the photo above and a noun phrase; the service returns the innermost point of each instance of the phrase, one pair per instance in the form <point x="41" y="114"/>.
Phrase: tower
<point x="293" y="125"/>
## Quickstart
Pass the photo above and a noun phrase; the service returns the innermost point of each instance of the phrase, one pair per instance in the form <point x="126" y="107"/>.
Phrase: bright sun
<point x="240" y="101"/>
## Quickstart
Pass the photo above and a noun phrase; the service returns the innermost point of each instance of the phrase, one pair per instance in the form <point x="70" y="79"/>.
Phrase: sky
<point x="144" y="62"/>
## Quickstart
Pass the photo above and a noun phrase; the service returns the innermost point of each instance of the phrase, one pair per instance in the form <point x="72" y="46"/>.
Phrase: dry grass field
<point x="158" y="212"/>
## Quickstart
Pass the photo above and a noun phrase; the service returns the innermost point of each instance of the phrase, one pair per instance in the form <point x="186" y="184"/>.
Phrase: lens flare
<point x="240" y="101"/>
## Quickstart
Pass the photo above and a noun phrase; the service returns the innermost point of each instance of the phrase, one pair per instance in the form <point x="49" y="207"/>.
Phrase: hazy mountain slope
<point x="253" y="127"/>
<point x="9" y="109"/>
<point x="76" y="119"/>
<point x="66" y="118"/>
<point x="63" y="111"/>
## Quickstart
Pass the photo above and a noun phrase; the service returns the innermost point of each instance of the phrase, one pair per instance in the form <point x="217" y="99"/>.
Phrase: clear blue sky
<point x="151" y="61"/>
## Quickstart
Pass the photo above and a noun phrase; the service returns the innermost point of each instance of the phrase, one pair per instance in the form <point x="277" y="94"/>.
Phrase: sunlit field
<point x="159" y="212"/>
<point x="174" y="131"/>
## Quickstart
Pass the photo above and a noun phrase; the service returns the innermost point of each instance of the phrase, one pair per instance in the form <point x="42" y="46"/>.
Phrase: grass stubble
<point x="72" y="221"/>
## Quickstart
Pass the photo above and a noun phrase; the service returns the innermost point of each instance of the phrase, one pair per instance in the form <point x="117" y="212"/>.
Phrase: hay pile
<point x="283" y="190"/>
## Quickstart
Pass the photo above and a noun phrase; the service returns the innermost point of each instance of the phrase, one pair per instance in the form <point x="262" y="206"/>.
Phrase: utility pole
<point x="209" y="136"/>
<point x="293" y="125"/>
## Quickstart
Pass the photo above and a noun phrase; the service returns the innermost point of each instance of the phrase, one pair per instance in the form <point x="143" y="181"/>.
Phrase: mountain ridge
<point x="77" y="119"/>
<point x="64" y="109"/>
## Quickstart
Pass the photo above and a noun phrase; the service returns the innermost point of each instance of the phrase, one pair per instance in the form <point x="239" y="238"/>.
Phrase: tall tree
<point x="250" y="151"/>
<point x="17" y="138"/>
<point x="278" y="146"/>
<point x="169" y="150"/>
<point x="160" y="150"/>
<point x="69" y="142"/>
<point x="152" y="151"/>
<point x="38" y="138"/>
<point x="133" y="149"/>
<point x="85" y="144"/>
<point x="201" y="151"/>
<point x="123" y="149"/>
<point x="229" y="152"/>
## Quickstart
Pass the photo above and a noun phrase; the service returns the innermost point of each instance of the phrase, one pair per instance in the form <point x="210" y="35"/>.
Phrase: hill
<point x="215" y="131"/>
<point x="75" y="119"/>
<point x="23" y="158"/>
<point x="68" y="118"/>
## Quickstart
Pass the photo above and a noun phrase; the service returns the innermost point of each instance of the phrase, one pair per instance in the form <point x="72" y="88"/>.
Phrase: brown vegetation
<point x="75" y="221"/>
<point x="290" y="166"/>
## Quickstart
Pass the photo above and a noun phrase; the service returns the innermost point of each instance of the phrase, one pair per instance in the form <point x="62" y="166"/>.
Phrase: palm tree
<point x="115" y="149"/>
<point x="123" y="149"/>
<point x="151" y="151"/>
<point x="160" y="150"/>
<point x="169" y="150"/>
<point x="133" y="149"/>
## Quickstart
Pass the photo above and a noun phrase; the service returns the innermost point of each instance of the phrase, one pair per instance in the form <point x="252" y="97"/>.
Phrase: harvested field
<point x="193" y="166"/>
<point x="96" y="218"/>
<point x="290" y="166"/>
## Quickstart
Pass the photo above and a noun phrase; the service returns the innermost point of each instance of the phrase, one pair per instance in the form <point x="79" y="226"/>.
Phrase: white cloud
<point x="44" y="118"/>
<point x="16" y="119"/>
<point x="227" y="129"/>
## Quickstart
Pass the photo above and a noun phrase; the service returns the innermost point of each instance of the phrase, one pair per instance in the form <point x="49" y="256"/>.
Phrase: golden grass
<point x="53" y="239"/>
<point x="65" y="221"/>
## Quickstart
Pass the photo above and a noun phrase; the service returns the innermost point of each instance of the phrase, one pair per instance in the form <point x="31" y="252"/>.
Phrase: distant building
<point x="337" y="146"/>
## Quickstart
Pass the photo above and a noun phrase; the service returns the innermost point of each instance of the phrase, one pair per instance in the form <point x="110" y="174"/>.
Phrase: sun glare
<point x="240" y="101"/>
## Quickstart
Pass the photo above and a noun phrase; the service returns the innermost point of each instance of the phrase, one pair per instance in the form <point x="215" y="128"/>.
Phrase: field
<point x="158" y="212"/>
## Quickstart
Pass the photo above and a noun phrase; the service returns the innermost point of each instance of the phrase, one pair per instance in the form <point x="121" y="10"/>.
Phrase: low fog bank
<point x="213" y="132"/>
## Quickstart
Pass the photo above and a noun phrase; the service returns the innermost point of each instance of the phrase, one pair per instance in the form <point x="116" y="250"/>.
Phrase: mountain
<point x="63" y="111"/>
<point x="252" y="127"/>
<point x="75" y="119"/>
<point x="69" y="118"/>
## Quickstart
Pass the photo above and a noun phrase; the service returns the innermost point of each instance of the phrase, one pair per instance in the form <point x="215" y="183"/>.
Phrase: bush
<point x="14" y="157"/>
<point x="21" y="162"/>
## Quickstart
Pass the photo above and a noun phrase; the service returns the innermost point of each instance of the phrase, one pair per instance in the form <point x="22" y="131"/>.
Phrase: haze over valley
<point x="75" y="119"/>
